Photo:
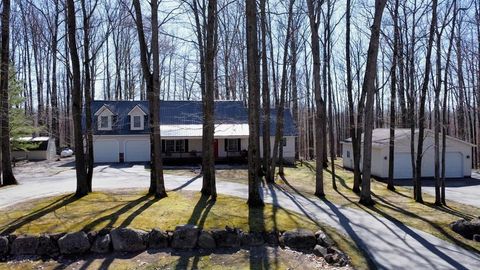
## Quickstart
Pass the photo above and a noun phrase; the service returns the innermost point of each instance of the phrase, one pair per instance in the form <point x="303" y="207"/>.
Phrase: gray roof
<point x="182" y="113"/>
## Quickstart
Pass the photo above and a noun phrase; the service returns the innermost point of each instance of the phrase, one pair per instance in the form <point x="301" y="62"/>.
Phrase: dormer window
<point x="104" y="118"/>
<point x="137" y="118"/>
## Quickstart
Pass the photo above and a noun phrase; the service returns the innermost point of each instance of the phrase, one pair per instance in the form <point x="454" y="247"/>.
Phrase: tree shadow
<point x="256" y="222"/>
<point x="187" y="183"/>
<point x="198" y="217"/>
<point x="26" y="219"/>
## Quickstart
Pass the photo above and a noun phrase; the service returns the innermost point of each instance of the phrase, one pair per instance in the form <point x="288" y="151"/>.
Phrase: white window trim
<point x="137" y="111"/>
<point x="109" y="127"/>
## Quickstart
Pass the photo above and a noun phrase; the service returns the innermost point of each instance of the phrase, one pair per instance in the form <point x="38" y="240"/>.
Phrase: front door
<point x="215" y="148"/>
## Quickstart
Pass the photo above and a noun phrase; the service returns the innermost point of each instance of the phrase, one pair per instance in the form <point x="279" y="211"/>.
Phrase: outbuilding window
<point x="348" y="154"/>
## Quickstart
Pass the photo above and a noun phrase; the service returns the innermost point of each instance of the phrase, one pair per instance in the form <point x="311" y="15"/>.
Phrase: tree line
<point x="341" y="68"/>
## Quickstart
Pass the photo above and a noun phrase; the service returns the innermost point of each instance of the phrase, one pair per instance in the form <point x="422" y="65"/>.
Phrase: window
<point x="136" y="121"/>
<point x="174" y="146"/>
<point x="232" y="145"/>
<point x="104" y="123"/>
<point x="284" y="142"/>
<point x="348" y="154"/>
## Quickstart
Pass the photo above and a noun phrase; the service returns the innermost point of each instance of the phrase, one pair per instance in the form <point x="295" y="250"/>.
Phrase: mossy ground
<point x="137" y="210"/>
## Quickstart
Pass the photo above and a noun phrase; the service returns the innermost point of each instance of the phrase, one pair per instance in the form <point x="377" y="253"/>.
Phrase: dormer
<point x="104" y="118"/>
<point x="137" y="118"/>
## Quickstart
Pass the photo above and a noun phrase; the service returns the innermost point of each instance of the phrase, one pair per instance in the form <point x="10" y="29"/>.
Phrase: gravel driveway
<point x="391" y="245"/>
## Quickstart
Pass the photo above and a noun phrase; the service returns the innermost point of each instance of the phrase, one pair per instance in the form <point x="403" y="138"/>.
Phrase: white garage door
<point x="105" y="151"/>
<point x="403" y="166"/>
<point x="453" y="165"/>
<point x="137" y="150"/>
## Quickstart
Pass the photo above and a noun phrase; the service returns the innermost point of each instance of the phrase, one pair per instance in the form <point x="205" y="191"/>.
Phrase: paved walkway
<point x="391" y="245"/>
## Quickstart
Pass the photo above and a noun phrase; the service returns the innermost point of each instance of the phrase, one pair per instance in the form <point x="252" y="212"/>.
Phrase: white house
<point x="44" y="149"/>
<point x="122" y="134"/>
<point x="458" y="155"/>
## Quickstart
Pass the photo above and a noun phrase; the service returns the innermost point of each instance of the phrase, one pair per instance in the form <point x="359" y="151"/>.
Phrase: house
<point x="122" y="134"/>
<point x="458" y="155"/>
<point x="40" y="148"/>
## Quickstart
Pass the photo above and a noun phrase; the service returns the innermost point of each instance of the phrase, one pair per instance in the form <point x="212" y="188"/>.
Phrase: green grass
<point x="135" y="209"/>
<point x="396" y="205"/>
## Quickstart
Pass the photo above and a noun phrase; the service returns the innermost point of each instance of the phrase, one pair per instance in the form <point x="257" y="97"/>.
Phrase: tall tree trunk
<point x="265" y="96"/>
<point x="7" y="172"/>
<point x="54" y="95"/>
<point x="254" y="198"/>
<point x="421" y="111"/>
<point x="157" y="183"/>
<point x="319" y="103"/>
<point x="369" y="89"/>
<point x="82" y="184"/>
<point x="393" y="99"/>
<point x="208" y="159"/>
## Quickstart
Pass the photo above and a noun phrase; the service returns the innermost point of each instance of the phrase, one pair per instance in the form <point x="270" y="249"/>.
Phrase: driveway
<point x="466" y="191"/>
<point x="389" y="244"/>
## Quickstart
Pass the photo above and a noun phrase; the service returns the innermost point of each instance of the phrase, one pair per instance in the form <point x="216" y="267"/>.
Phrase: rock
<point x="3" y="245"/>
<point x="252" y="239"/>
<point x="47" y="246"/>
<point x="320" y="251"/>
<point x="226" y="238"/>
<point x="476" y="237"/>
<point x="185" y="236"/>
<point x="272" y="238"/>
<point x="466" y="228"/>
<point x="24" y="245"/>
<point x="206" y="240"/>
<point x="157" y="239"/>
<point x="101" y="244"/>
<point x="336" y="257"/>
<point x="298" y="239"/>
<point x="126" y="239"/>
<point x="323" y="239"/>
<point x="74" y="243"/>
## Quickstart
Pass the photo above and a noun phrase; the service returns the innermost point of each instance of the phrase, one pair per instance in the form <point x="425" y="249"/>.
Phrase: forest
<point x="343" y="68"/>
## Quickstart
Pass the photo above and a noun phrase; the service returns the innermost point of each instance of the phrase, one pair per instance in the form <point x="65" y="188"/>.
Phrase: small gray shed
<point x="45" y="149"/>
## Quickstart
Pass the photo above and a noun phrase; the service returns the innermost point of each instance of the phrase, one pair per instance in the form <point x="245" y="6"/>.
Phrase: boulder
<point x="298" y="239"/>
<point x="130" y="240"/>
<point x="24" y="245"/>
<point x="323" y="239"/>
<point x="185" y="237"/>
<point x="252" y="239"/>
<point x="74" y="243"/>
<point x="476" y="237"/>
<point x="47" y="246"/>
<point x="320" y="251"/>
<point x="226" y="238"/>
<point x="336" y="259"/>
<point x="466" y="228"/>
<point x="3" y="245"/>
<point x="272" y="238"/>
<point x="157" y="239"/>
<point x="101" y="244"/>
<point x="206" y="240"/>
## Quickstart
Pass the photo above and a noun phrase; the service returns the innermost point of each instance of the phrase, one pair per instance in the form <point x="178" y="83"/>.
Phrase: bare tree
<point x="369" y="89"/>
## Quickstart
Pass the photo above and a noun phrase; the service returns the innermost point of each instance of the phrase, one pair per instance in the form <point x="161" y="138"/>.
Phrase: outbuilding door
<point x="403" y="166"/>
<point x="453" y="165"/>
<point x="105" y="151"/>
<point x="137" y="150"/>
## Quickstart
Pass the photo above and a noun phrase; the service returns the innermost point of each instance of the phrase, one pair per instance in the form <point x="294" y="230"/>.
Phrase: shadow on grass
<point x="256" y="223"/>
<point x="24" y="220"/>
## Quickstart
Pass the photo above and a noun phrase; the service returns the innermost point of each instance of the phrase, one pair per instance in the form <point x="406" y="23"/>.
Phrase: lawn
<point x="396" y="205"/>
<point x="137" y="210"/>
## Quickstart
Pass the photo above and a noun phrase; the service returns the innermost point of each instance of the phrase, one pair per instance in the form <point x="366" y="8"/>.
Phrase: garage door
<point x="403" y="166"/>
<point x="105" y="151"/>
<point x="137" y="150"/>
<point x="453" y="165"/>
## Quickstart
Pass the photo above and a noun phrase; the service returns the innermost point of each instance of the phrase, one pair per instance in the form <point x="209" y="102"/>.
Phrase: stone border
<point x="182" y="238"/>
<point x="469" y="229"/>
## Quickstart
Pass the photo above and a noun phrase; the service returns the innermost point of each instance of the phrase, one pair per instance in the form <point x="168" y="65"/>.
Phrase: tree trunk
<point x="254" y="198"/>
<point x="7" y="172"/>
<point x="421" y="111"/>
<point x="369" y="89"/>
<point x="208" y="160"/>
<point x="82" y="184"/>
